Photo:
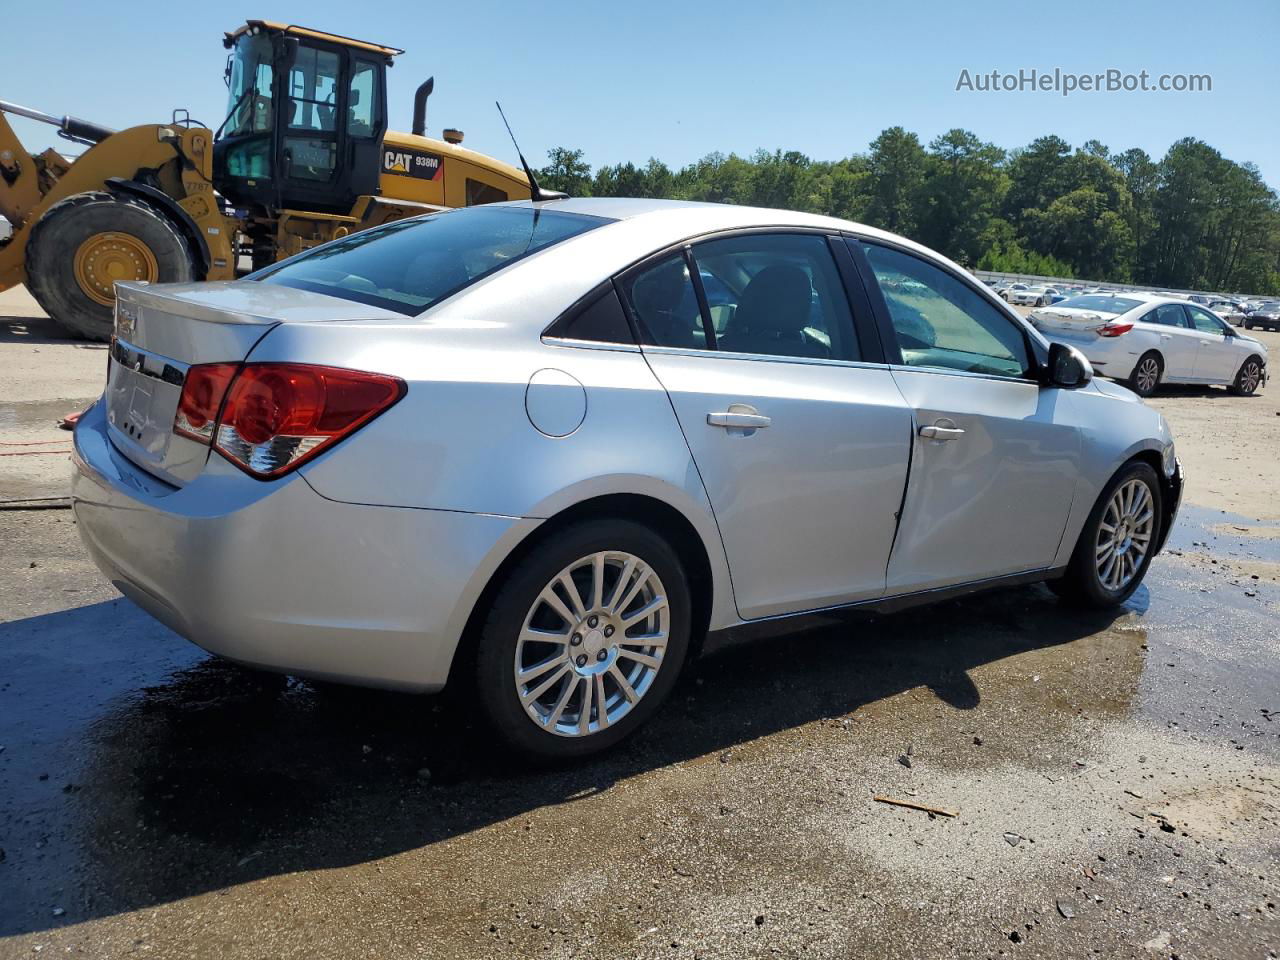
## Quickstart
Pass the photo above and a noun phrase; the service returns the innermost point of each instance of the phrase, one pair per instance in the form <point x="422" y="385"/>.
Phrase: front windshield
<point x="249" y="93"/>
<point x="408" y="265"/>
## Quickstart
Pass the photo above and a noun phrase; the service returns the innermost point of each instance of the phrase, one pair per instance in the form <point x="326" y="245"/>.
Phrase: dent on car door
<point x="802" y="448"/>
<point x="995" y="463"/>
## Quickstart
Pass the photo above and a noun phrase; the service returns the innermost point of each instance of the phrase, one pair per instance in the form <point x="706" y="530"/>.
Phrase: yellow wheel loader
<point x="303" y="156"/>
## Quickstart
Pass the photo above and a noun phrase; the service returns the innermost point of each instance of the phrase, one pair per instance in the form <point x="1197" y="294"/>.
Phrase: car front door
<point x="1216" y="360"/>
<point x="798" y="431"/>
<point x="994" y="465"/>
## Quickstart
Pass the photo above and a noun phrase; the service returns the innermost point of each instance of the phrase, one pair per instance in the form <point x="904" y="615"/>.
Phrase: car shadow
<point x="1180" y="391"/>
<point x="213" y="775"/>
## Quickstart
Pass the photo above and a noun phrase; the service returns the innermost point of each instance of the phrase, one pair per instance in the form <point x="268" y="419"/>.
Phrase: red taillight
<point x="278" y="415"/>
<point x="1113" y="329"/>
<point x="201" y="399"/>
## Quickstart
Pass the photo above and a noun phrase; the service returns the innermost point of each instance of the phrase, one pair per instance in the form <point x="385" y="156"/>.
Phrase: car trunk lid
<point x="162" y="331"/>
<point x="1069" y="321"/>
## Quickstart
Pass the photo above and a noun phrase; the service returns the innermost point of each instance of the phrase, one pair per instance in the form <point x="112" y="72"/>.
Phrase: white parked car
<point x="1036" y="296"/>
<point x="1146" y="340"/>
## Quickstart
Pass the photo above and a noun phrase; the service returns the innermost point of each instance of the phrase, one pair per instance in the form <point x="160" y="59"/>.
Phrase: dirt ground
<point x="1114" y="778"/>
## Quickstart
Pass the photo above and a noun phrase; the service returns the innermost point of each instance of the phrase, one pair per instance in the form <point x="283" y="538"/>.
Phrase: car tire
<point x="1248" y="378"/>
<point x="1089" y="581"/>
<point x="77" y="233"/>
<point x="1146" y="374"/>
<point x="519" y="613"/>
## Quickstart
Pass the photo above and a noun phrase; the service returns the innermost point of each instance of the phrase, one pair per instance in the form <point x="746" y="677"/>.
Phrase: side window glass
<point x="362" y="100"/>
<point x="1167" y="315"/>
<point x="478" y="193"/>
<point x="778" y="295"/>
<point x="941" y="322"/>
<point x="602" y="320"/>
<point x="1204" y="322"/>
<point x="313" y="90"/>
<point x="664" y="304"/>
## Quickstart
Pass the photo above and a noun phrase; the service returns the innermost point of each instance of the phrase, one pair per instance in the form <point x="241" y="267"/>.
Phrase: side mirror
<point x="1067" y="368"/>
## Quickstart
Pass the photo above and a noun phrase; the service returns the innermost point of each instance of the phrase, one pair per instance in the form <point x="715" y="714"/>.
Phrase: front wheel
<point x="1248" y="378"/>
<point x="1117" y="542"/>
<point x="584" y="640"/>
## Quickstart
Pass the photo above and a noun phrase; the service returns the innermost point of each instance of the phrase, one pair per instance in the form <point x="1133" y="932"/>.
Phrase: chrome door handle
<point x="935" y="432"/>
<point x="1166" y="336"/>
<point x="1204" y="343"/>
<point x="742" y="421"/>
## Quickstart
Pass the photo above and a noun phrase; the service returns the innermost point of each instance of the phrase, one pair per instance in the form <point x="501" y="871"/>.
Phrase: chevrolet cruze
<point x="542" y="449"/>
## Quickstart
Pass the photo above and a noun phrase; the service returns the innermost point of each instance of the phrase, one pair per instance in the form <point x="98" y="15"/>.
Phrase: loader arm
<point x="181" y="158"/>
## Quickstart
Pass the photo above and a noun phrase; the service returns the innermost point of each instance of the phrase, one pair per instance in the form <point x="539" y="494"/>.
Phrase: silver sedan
<point x="542" y="449"/>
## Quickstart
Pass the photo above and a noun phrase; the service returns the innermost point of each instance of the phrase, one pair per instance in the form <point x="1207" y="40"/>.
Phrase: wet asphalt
<point x="1116" y="778"/>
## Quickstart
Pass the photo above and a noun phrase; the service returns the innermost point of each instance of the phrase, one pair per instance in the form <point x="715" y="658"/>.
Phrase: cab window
<point x="942" y="322"/>
<point x="313" y="90"/>
<point x="479" y="192"/>
<point x="362" y="100"/>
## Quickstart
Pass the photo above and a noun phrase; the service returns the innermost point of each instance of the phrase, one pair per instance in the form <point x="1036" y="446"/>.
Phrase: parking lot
<point x="1114" y="779"/>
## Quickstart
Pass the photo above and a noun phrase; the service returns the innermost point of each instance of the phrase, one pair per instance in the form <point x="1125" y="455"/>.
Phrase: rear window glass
<point x="1100" y="302"/>
<point x="409" y="265"/>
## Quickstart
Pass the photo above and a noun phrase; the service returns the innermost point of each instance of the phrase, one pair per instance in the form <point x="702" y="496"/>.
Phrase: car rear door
<point x="1178" y="343"/>
<point x="994" y="466"/>
<point x="796" y="426"/>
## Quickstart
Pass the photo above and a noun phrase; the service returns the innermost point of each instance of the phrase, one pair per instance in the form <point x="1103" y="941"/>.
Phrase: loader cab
<point x="306" y="113"/>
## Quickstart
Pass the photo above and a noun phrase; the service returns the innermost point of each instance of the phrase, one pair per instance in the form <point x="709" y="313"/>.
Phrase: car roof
<point x="688" y="218"/>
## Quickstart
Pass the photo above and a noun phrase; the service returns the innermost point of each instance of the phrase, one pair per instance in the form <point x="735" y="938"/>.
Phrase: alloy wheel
<point x="592" y="644"/>
<point x="1148" y="374"/>
<point x="1124" y="534"/>
<point x="1250" y="377"/>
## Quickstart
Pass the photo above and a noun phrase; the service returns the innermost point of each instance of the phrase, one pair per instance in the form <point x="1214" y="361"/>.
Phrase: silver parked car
<point x="1145" y="340"/>
<point x="542" y="449"/>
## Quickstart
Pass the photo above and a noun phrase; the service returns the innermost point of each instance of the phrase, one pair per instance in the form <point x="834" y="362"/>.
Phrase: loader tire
<point x="85" y="243"/>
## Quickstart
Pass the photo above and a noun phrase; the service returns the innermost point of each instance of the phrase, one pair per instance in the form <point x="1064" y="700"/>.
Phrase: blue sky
<point x="678" y="80"/>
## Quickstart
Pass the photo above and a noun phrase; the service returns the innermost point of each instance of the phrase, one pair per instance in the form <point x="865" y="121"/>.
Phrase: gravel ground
<point x="1115" y="778"/>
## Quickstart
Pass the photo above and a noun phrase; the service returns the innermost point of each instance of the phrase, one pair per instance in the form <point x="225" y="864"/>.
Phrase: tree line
<point x="1191" y="220"/>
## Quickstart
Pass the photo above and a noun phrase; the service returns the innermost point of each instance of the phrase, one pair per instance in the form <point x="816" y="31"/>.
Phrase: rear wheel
<point x="84" y="244"/>
<point x="1146" y="374"/>
<point x="1248" y="378"/>
<point x="1117" y="542"/>
<point x="584" y="640"/>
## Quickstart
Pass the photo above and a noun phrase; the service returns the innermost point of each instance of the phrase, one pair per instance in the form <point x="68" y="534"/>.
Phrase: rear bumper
<point x="1108" y="355"/>
<point x="276" y="576"/>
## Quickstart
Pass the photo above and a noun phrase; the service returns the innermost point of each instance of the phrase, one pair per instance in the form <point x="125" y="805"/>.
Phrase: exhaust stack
<point x="420" y="106"/>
